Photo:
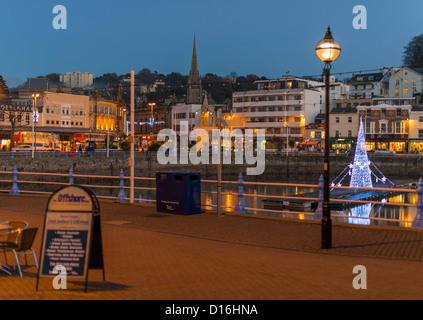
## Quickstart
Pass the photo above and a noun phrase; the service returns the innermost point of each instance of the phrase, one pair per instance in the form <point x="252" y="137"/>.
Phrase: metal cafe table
<point x="4" y="227"/>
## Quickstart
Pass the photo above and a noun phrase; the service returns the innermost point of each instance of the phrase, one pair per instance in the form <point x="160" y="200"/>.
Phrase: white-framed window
<point x="383" y="127"/>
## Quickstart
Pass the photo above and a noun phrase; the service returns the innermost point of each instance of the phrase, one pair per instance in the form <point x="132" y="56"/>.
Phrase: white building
<point x="283" y="107"/>
<point x="77" y="79"/>
<point x="338" y="90"/>
<point x="190" y="113"/>
<point x="405" y="83"/>
<point x="370" y="85"/>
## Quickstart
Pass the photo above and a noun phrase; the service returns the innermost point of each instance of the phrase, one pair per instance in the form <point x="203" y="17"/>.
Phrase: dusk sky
<point x="266" y="38"/>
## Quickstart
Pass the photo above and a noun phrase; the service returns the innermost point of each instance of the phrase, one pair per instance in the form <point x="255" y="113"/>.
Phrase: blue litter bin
<point x="178" y="192"/>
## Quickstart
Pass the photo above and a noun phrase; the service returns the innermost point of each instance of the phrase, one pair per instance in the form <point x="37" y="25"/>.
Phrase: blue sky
<point x="266" y="38"/>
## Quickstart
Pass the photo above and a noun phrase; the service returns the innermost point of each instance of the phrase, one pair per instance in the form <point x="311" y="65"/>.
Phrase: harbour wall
<point x="301" y="169"/>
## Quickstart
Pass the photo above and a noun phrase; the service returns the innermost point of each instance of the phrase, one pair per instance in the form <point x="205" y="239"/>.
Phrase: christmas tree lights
<point x="359" y="169"/>
<point x="361" y="175"/>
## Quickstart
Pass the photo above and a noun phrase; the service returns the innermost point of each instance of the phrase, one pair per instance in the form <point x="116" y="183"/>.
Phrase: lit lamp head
<point x="328" y="50"/>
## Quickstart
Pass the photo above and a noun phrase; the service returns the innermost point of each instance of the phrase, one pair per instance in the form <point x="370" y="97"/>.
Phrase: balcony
<point x="275" y="103"/>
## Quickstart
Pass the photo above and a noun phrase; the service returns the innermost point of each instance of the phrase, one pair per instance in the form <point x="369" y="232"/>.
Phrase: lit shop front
<point x="342" y="144"/>
<point x="416" y="146"/>
<point x="397" y="146"/>
<point x="49" y="139"/>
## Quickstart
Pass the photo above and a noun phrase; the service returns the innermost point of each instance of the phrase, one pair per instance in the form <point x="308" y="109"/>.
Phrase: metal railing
<point x="117" y="185"/>
<point x="115" y="153"/>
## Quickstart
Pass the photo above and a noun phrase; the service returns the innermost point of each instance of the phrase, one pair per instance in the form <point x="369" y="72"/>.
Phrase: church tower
<point x="194" y="81"/>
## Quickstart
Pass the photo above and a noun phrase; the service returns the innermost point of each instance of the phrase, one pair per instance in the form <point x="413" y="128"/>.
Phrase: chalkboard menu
<point x="72" y="234"/>
<point x="66" y="243"/>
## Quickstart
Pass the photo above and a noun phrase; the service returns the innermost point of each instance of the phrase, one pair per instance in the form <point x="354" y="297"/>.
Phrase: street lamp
<point x="151" y="120"/>
<point x="327" y="50"/>
<point x="34" y="121"/>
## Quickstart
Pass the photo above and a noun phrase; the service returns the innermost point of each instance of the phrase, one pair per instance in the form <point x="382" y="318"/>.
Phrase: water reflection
<point x="366" y="214"/>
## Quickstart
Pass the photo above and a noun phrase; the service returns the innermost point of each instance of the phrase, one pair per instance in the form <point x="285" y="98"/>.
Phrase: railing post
<point x="15" y="190"/>
<point x="319" y="210"/>
<point x="240" y="206"/>
<point x="71" y="176"/>
<point x="418" y="219"/>
<point x="121" y="196"/>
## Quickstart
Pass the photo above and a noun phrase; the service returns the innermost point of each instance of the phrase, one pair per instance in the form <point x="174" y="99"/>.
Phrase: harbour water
<point x="382" y="213"/>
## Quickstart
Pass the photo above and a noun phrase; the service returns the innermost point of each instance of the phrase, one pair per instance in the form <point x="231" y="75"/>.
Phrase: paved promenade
<point x="155" y="256"/>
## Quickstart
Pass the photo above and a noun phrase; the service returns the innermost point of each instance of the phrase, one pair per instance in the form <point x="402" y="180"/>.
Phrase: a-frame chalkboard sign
<point x="72" y="234"/>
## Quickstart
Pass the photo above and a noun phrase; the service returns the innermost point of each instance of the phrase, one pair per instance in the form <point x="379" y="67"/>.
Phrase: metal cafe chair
<point x="13" y="234"/>
<point x="23" y="247"/>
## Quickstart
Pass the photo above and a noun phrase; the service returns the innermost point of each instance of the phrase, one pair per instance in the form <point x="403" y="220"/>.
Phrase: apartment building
<point x="282" y="107"/>
<point x="77" y="79"/>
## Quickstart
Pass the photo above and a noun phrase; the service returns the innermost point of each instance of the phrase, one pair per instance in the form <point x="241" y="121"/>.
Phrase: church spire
<point x="194" y="66"/>
<point x="194" y="80"/>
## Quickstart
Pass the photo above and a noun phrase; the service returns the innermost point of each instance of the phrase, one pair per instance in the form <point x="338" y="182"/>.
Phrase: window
<point x="336" y="133"/>
<point x="349" y="119"/>
<point x="349" y="133"/>
<point x="405" y="90"/>
<point x="368" y="112"/>
<point x="27" y="115"/>
<point x="368" y="127"/>
<point x="398" y="112"/>
<point x="2" y="117"/>
<point x="383" y="113"/>
<point x="420" y="119"/>
<point x="420" y="134"/>
<point x="383" y="128"/>
<point x="48" y="121"/>
<point x="47" y="109"/>
<point x="337" y="119"/>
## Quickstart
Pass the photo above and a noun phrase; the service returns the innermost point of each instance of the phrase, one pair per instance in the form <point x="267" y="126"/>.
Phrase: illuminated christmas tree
<point x="361" y="175"/>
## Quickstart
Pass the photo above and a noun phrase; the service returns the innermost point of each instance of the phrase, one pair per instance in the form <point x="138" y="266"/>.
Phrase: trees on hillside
<point x="413" y="53"/>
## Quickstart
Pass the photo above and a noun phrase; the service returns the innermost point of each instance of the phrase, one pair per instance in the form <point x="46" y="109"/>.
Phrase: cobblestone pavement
<point x="156" y="256"/>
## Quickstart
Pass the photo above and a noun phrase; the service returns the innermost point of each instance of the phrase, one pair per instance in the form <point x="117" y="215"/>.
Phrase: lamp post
<point x="34" y="121"/>
<point x="152" y="105"/>
<point x="327" y="50"/>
